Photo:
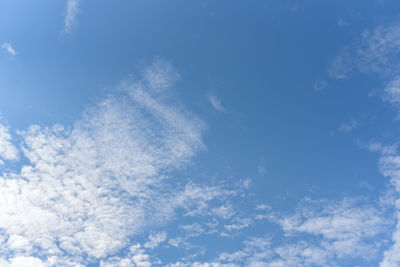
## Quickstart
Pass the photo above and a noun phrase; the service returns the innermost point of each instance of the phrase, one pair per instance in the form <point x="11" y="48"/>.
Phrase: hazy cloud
<point x="9" y="48"/>
<point x="320" y="85"/>
<point x="342" y="23"/>
<point x="215" y="102"/>
<point x="71" y="12"/>
<point x="348" y="126"/>
<point x="376" y="51"/>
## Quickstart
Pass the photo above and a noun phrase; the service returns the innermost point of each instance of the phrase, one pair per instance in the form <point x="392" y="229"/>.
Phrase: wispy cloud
<point x="378" y="52"/>
<point x="9" y="48"/>
<point x="155" y="240"/>
<point x="320" y="85"/>
<point x="391" y="93"/>
<point x="90" y="190"/>
<point x="342" y="23"/>
<point x="349" y="126"/>
<point x="375" y="51"/>
<point x="262" y="167"/>
<point x="215" y="102"/>
<point x="389" y="164"/>
<point x="137" y="256"/>
<point x="319" y="233"/>
<point x="71" y="12"/>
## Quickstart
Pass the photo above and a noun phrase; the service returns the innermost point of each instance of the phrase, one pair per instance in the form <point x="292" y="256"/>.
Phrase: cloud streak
<point x="71" y="12"/>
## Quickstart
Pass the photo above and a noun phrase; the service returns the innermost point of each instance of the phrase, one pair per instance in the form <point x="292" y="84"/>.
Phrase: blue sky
<point x="199" y="133"/>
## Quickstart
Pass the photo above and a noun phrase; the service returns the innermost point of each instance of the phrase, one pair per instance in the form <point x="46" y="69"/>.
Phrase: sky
<point x="199" y="133"/>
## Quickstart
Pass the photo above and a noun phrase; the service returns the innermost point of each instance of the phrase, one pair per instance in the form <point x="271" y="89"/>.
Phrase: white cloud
<point x="342" y="64"/>
<point x="136" y="257"/>
<point x="256" y="252"/>
<point x="376" y="51"/>
<point x="374" y="146"/>
<point x="319" y="233"/>
<point x="348" y="126"/>
<point x="339" y="230"/>
<point x="215" y="102"/>
<point x="155" y="240"/>
<point x="391" y="93"/>
<point x="225" y="211"/>
<point x="342" y="220"/>
<point x="71" y="12"/>
<point x="389" y="164"/>
<point x="195" y="199"/>
<point x="23" y="261"/>
<point x="239" y="224"/>
<point x="263" y="207"/>
<point x="7" y="150"/>
<point x="8" y="47"/>
<point x="160" y="76"/>
<point x="192" y="230"/>
<point x="90" y="188"/>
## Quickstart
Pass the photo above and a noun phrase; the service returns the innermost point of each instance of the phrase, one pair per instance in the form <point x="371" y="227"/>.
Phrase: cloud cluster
<point x="378" y="52"/>
<point x="375" y="51"/>
<point x="389" y="164"/>
<point x="91" y="187"/>
<point x="318" y="233"/>
<point x="337" y="230"/>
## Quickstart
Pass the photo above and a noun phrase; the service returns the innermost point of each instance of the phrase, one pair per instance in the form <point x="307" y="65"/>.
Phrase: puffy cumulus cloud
<point x="7" y="149"/>
<point x="91" y="187"/>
